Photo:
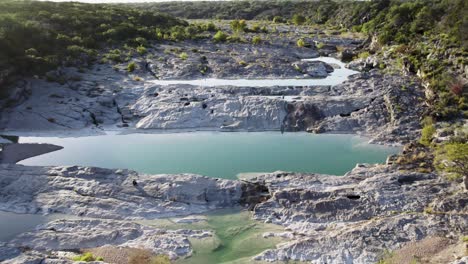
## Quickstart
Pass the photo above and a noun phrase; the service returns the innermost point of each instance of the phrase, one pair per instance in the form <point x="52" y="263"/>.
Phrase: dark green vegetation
<point x="39" y="36"/>
<point x="452" y="157"/>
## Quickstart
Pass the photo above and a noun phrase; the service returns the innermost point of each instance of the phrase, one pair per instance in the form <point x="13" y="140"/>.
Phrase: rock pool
<point x="214" y="154"/>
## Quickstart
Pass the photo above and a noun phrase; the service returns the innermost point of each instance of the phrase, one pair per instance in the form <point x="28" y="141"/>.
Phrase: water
<point x="338" y="76"/>
<point x="237" y="237"/>
<point x="215" y="154"/>
<point x="12" y="224"/>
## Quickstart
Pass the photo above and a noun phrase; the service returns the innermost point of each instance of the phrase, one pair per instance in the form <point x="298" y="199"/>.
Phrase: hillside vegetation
<point x="38" y="36"/>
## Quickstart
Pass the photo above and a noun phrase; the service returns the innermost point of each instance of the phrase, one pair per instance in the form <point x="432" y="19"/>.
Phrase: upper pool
<point x="215" y="154"/>
<point x="338" y="76"/>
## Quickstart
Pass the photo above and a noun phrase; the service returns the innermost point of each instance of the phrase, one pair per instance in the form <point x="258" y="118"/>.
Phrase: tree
<point x="427" y="132"/>
<point x="452" y="158"/>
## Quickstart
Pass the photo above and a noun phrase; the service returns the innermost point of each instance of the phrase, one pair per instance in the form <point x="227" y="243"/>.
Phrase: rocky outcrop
<point x="383" y="107"/>
<point x="206" y="59"/>
<point x="73" y="235"/>
<point x="350" y="219"/>
<point x="315" y="69"/>
<point x="355" y="218"/>
<point x="111" y="194"/>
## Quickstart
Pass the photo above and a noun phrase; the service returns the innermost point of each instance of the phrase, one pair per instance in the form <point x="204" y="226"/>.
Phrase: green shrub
<point x="210" y="26"/>
<point x="364" y="55"/>
<point x="255" y="28"/>
<point x="75" y="50"/>
<point x="256" y="40"/>
<point x="452" y="158"/>
<point x="320" y="45"/>
<point x="87" y="257"/>
<point x="220" y="36"/>
<point x="298" y="19"/>
<point x="183" y="56"/>
<point x="131" y="66"/>
<point x="427" y="132"/>
<point x="301" y="43"/>
<point x="114" y="55"/>
<point x="238" y="26"/>
<point x="278" y="19"/>
<point x="141" y="50"/>
<point x="178" y="33"/>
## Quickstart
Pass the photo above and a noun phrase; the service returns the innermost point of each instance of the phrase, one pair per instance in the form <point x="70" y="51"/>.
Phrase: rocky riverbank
<point x="384" y="107"/>
<point x="349" y="219"/>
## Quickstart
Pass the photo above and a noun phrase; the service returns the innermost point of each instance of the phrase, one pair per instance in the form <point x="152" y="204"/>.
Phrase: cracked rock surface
<point x="352" y="219"/>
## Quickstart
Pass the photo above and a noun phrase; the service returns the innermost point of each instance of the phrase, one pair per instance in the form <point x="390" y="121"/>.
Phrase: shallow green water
<point x="12" y="224"/>
<point x="215" y="154"/>
<point x="237" y="239"/>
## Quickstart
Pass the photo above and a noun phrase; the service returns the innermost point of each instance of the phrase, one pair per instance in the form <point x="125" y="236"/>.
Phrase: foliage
<point x="210" y="26"/>
<point x="131" y="66"/>
<point x="301" y="43"/>
<point x="364" y="55"/>
<point x="220" y="36"/>
<point x="36" y="36"/>
<point x="183" y="55"/>
<point x="256" y="40"/>
<point x="278" y="19"/>
<point x="452" y="158"/>
<point x="298" y="19"/>
<point x="427" y="132"/>
<point x="87" y="257"/>
<point x="141" y="50"/>
<point x="238" y="26"/>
